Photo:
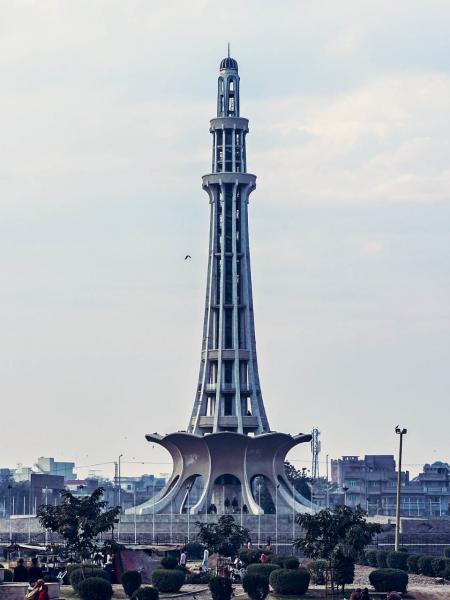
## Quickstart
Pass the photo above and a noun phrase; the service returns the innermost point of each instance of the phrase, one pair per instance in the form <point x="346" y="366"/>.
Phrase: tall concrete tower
<point x="228" y="445"/>
<point x="228" y="396"/>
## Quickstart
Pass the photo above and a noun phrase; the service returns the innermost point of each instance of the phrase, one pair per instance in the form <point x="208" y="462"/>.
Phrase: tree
<point x="79" y="521"/>
<point x="299" y="479"/>
<point x="329" y="532"/>
<point x="226" y="533"/>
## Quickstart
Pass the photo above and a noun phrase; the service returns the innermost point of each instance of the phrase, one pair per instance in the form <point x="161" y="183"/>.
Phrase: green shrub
<point x="146" y="593"/>
<point x="362" y="558"/>
<point x="168" y="580"/>
<point x="220" y="588"/>
<point x="426" y="565"/>
<point x="198" y="577"/>
<point x="95" y="588"/>
<point x="131" y="582"/>
<point x="318" y="571"/>
<point x="169" y="562"/>
<point x="69" y="570"/>
<point x="447" y="552"/>
<point x="2" y="566"/>
<point x="76" y="577"/>
<point x="51" y="579"/>
<point x="8" y="576"/>
<point x="413" y="563"/>
<point x="256" y="586"/>
<point x="344" y="569"/>
<point x="397" y="560"/>
<point x="372" y="558"/>
<point x="291" y="562"/>
<point x="381" y="559"/>
<point x="386" y="580"/>
<point x="249" y="556"/>
<point x="262" y="569"/>
<point x="446" y="574"/>
<point x="438" y="565"/>
<point x="194" y="550"/>
<point x="279" y="559"/>
<point x="289" y="582"/>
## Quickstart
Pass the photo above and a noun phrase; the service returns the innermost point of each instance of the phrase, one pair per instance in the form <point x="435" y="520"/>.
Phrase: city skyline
<point x="104" y="116"/>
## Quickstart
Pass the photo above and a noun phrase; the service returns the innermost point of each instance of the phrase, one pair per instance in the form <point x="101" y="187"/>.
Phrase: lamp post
<point x="135" y="524"/>
<point x="153" y="512"/>
<point x="119" y="491"/>
<point x="345" y="490"/>
<point x="401" y="433"/>
<point x="293" y="512"/>
<point x="259" y="513"/>
<point x="9" y="509"/>
<point x="188" y="513"/>
<point x="276" y="518"/>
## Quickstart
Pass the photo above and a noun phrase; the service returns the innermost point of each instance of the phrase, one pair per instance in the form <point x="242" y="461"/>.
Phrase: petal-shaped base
<point x="209" y="469"/>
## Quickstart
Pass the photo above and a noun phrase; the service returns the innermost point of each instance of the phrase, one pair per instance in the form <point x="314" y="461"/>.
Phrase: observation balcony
<point x="230" y="421"/>
<point x="228" y="387"/>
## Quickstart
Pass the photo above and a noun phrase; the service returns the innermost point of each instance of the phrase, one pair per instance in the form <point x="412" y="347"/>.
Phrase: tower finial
<point x="228" y="49"/>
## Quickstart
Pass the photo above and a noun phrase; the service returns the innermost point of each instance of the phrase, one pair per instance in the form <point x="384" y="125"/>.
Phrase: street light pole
<point x="345" y="490"/>
<point x="153" y="512"/>
<point x="259" y="513"/>
<point x="135" y="524"/>
<point x="401" y="433"/>
<point x="276" y="518"/>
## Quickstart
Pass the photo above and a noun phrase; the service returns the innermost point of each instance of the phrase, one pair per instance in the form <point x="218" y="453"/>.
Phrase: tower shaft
<point x="228" y="396"/>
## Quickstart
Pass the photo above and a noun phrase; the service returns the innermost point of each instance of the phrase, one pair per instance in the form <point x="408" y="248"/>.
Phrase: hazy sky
<point x="104" y="116"/>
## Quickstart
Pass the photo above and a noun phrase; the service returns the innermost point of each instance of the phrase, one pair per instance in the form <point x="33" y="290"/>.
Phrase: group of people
<point x="33" y="575"/>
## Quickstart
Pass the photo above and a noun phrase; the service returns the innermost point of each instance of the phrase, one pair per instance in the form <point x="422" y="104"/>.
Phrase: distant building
<point x="45" y="489"/>
<point x="21" y="473"/>
<point x="371" y="482"/>
<point x="49" y="466"/>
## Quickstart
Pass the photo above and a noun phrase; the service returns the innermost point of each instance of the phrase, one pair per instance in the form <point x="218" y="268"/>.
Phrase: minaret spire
<point x="228" y="394"/>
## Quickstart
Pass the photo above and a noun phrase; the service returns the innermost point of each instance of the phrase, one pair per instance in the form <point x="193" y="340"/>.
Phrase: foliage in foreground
<point x="220" y="588"/>
<point x="95" y="588"/>
<point x="256" y="586"/>
<point x="168" y="580"/>
<point x="131" y="582"/>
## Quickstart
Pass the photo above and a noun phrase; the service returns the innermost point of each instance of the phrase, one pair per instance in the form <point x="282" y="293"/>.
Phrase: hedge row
<point x="431" y="566"/>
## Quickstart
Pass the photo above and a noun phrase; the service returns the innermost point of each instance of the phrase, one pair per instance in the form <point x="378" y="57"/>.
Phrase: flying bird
<point x="187" y="256"/>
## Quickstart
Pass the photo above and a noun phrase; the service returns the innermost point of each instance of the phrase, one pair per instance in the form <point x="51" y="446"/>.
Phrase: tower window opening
<point x="228" y="406"/>
<point x="232" y="85"/>
<point x="222" y="104"/>
<point x="231" y="104"/>
<point x="210" y="406"/>
<point x="228" y="328"/>
<point x="228" y="371"/>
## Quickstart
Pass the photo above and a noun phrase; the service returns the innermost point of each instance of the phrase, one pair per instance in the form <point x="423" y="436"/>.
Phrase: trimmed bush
<point x="289" y="582"/>
<point x="168" y="580"/>
<point x="249" y="556"/>
<point x="344" y="569"/>
<point x="413" y="563"/>
<point x="95" y="588"/>
<point x="397" y="560"/>
<point x="371" y="556"/>
<point x="446" y="574"/>
<point x="318" y="571"/>
<point x="426" y="565"/>
<point x="131" y="582"/>
<point x="381" y="559"/>
<point x="387" y="580"/>
<point x="220" y="588"/>
<point x="447" y="552"/>
<point x="169" y="562"/>
<point x="438" y="565"/>
<point x="198" y="577"/>
<point x="262" y="569"/>
<point x="146" y="593"/>
<point x="8" y="576"/>
<point x="279" y="559"/>
<point x="76" y="576"/>
<point x="256" y="586"/>
<point x="291" y="562"/>
<point x="194" y="550"/>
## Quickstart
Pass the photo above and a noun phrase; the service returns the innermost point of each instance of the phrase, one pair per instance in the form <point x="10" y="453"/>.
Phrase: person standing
<point x="205" y="559"/>
<point x="183" y="558"/>
<point x="20" y="572"/>
<point x="34" y="572"/>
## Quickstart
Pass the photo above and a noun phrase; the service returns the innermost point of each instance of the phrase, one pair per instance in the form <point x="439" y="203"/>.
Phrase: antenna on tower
<point x="228" y="49"/>
<point x="315" y="451"/>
